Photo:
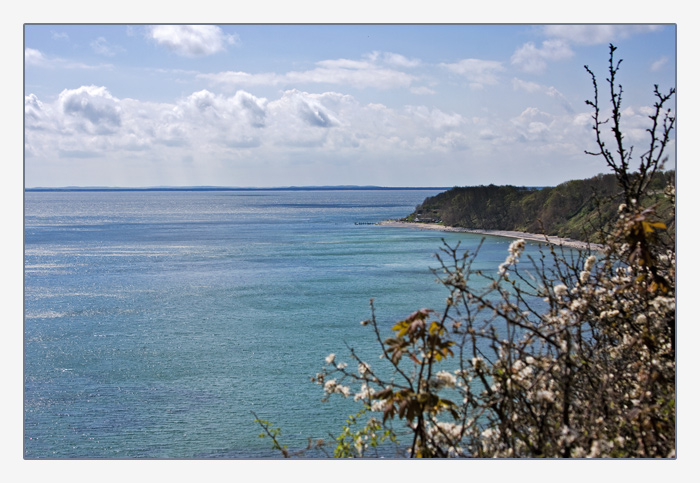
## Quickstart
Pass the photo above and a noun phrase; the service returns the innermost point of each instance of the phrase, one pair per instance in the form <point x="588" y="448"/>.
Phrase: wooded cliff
<point x="575" y="209"/>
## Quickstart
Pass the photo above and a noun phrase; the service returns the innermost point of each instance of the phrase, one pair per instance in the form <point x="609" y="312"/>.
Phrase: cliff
<point x="575" y="209"/>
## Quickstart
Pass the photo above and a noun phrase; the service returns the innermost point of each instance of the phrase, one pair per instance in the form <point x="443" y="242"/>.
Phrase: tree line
<point x="579" y="209"/>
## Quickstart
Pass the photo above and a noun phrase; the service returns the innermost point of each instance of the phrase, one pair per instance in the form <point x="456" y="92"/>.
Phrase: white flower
<point x="578" y="452"/>
<point x="584" y="276"/>
<point x="330" y="358"/>
<point x="362" y="368"/>
<point x="445" y="379"/>
<point x="545" y="395"/>
<point x="609" y="313"/>
<point x="595" y="450"/>
<point x="664" y="303"/>
<point x="560" y="290"/>
<point x="359" y="446"/>
<point x="456" y="279"/>
<point x="589" y="263"/>
<point x="378" y="405"/>
<point x="330" y="386"/>
<point x="568" y="435"/>
<point x="364" y="393"/>
<point x="578" y="304"/>
<point x="517" y="247"/>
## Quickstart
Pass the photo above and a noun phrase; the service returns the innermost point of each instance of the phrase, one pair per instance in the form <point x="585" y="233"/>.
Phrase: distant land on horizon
<point x="237" y="188"/>
<point x="243" y="188"/>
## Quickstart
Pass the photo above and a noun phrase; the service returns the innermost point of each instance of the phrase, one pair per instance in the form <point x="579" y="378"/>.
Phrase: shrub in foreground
<point x="558" y="354"/>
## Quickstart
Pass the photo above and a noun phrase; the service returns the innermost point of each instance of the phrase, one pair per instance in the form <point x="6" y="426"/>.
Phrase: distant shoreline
<point x="233" y="188"/>
<point x="553" y="240"/>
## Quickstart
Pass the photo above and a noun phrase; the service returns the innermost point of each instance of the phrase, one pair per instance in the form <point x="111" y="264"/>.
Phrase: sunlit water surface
<point x="157" y="322"/>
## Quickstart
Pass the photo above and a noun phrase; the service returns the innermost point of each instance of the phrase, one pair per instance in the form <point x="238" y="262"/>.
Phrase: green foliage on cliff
<point x="570" y="209"/>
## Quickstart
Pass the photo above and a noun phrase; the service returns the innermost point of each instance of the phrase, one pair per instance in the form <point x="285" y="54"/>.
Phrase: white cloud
<point x="90" y="109"/>
<point x="422" y="90"/>
<point x="533" y="114"/>
<point x="191" y="40"/>
<point x="300" y="119"/>
<point x="487" y="135"/>
<point x="659" y="64"/>
<point x="434" y="119"/>
<point x="561" y="98"/>
<point x="478" y="72"/>
<point x="235" y="79"/>
<point x="59" y="35"/>
<point x="90" y="120"/>
<point x="452" y="141"/>
<point x="102" y="47"/>
<point x="396" y="60"/>
<point x="338" y="64"/>
<point x="33" y="57"/>
<point x="533" y="125"/>
<point x="356" y="73"/>
<point x="37" y="116"/>
<point x="533" y="60"/>
<point x="597" y="34"/>
<point x="212" y="121"/>
<point x="551" y="91"/>
<point x="527" y="86"/>
<point x="32" y="107"/>
<point x="36" y="58"/>
<point x="218" y="133"/>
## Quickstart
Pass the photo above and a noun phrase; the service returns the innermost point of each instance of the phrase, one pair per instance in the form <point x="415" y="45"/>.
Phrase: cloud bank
<point x="296" y="128"/>
<point x="378" y="116"/>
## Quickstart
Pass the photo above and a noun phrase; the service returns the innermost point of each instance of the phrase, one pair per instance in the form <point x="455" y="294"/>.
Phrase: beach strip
<point x="554" y="240"/>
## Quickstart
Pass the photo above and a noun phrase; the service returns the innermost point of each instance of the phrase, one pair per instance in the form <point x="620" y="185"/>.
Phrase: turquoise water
<point x="155" y="322"/>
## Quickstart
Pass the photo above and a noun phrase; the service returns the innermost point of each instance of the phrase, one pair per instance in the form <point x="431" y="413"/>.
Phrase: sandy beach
<point x="555" y="240"/>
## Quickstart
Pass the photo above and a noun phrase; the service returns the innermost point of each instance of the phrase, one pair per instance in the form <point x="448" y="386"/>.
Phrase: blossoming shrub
<point x="562" y="354"/>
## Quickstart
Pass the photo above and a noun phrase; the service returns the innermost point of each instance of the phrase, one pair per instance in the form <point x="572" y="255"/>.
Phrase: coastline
<point x="552" y="240"/>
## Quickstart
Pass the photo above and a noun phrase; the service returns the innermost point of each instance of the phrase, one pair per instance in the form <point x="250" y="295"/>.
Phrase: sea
<point x="160" y="324"/>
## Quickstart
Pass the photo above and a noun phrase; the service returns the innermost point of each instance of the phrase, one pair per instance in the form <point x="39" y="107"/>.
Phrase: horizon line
<point x="230" y="188"/>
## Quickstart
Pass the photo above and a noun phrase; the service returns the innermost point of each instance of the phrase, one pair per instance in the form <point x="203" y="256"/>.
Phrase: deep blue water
<point x="155" y="322"/>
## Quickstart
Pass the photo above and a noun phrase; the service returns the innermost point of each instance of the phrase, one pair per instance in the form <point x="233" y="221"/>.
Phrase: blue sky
<point x="279" y="105"/>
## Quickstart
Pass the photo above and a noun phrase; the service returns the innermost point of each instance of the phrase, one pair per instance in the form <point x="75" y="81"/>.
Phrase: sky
<point x="332" y="104"/>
